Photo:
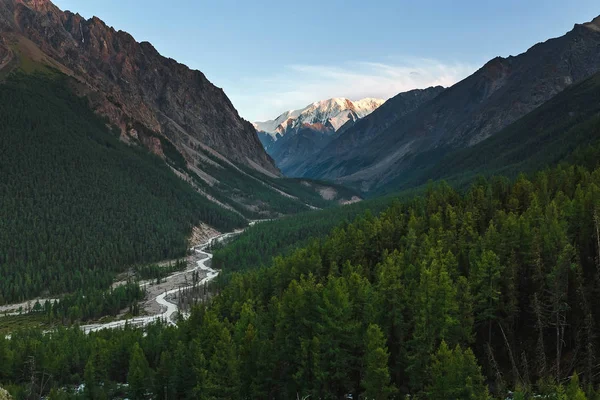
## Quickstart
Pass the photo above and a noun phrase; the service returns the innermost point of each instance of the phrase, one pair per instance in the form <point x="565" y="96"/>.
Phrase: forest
<point x="446" y="295"/>
<point x="77" y="204"/>
<point x="258" y="244"/>
<point x="565" y="129"/>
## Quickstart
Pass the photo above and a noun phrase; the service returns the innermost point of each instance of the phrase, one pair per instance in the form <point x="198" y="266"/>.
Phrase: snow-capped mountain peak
<point x="332" y="113"/>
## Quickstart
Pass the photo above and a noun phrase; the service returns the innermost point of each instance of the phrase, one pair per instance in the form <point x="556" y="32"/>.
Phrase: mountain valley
<point x="154" y="244"/>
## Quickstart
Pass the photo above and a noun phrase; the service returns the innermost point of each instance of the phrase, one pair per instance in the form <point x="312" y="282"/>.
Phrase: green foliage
<point x="158" y="272"/>
<point x="259" y="244"/>
<point x="79" y="204"/>
<point x="503" y="276"/>
<point x="455" y="375"/>
<point x="93" y="304"/>
<point x="139" y="377"/>
<point x="376" y="381"/>
<point x="573" y="390"/>
<point x="13" y="323"/>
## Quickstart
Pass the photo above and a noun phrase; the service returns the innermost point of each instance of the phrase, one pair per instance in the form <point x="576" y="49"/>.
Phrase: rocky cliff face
<point x="131" y="82"/>
<point x="502" y="91"/>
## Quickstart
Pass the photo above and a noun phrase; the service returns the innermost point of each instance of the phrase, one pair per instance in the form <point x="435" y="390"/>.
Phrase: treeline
<point x="77" y="204"/>
<point x="508" y="270"/>
<point x="446" y="296"/>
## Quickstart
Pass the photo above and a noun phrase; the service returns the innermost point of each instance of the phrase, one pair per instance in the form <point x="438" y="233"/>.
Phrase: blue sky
<point x="271" y="56"/>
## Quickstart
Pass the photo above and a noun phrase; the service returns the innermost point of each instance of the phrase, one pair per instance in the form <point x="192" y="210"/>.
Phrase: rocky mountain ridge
<point x="140" y="91"/>
<point x="325" y="115"/>
<point x="302" y="142"/>
<point x="378" y="150"/>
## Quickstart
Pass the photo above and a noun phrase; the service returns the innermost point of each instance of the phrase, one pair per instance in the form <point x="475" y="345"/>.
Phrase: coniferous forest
<point x="77" y="205"/>
<point x="448" y="295"/>
<point x="479" y="281"/>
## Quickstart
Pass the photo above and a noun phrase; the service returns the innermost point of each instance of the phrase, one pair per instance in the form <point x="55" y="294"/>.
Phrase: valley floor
<point x="161" y="298"/>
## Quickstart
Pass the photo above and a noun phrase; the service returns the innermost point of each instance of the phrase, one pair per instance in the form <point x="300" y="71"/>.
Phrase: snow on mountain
<point x="272" y="125"/>
<point x="332" y="113"/>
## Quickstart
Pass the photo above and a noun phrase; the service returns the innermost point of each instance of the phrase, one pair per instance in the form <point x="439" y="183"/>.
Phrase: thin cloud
<point x="298" y="85"/>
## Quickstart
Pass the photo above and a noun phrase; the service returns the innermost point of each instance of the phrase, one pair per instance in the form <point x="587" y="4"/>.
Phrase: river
<point x="169" y="309"/>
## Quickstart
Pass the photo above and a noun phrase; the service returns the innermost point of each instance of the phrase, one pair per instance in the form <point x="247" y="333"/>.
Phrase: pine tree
<point x="573" y="390"/>
<point x="436" y="310"/>
<point x="5" y="359"/>
<point x="139" y="377"/>
<point x="376" y="375"/>
<point x="163" y="387"/>
<point x="337" y="334"/>
<point x="486" y="276"/>
<point x="223" y="381"/>
<point x="454" y="374"/>
<point x="89" y="378"/>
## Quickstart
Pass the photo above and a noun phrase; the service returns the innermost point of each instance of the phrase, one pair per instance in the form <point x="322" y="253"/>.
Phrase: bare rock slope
<point x="132" y="84"/>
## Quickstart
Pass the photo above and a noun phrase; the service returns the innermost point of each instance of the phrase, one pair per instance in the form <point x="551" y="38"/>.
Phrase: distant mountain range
<point x="330" y="114"/>
<point x="297" y="134"/>
<point x="388" y="148"/>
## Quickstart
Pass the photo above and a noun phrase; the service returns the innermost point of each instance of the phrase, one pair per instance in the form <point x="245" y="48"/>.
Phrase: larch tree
<point x="455" y="374"/>
<point x="376" y="378"/>
<point x="139" y="377"/>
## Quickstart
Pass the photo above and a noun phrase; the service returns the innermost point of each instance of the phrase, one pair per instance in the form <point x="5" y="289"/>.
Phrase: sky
<point x="271" y="56"/>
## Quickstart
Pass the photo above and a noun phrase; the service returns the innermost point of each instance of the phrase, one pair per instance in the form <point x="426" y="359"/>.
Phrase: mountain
<point x="119" y="155"/>
<point x="499" y="93"/>
<point x="153" y="101"/>
<point x="331" y="114"/>
<point x="293" y="149"/>
<point x="353" y="136"/>
<point x="130" y="82"/>
<point x="565" y="128"/>
<point x="297" y="135"/>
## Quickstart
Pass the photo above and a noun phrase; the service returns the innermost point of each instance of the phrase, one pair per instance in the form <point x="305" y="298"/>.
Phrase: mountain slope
<point x="292" y="149"/>
<point x="474" y="109"/>
<point x="568" y="123"/>
<point x="91" y="192"/>
<point x="362" y="132"/>
<point x="155" y="103"/>
<point x="83" y="205"/>
<point x="131" y="82"/>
